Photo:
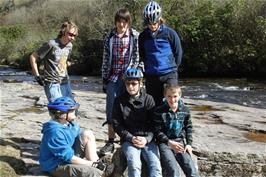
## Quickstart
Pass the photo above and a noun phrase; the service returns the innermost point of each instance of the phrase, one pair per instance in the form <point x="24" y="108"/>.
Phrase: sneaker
<point x="105" y="167"/>
<point x="109" y="147"/>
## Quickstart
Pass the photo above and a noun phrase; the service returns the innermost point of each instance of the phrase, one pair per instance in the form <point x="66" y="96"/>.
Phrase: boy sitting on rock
<point x="173" y="130"/>
<point x="132" y="114"/>
<point x="65" y="150"/>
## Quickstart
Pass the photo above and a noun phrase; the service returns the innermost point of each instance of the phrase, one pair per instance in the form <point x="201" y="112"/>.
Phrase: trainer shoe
<point x="106" y="168"/>
<point x="109" y="147"/>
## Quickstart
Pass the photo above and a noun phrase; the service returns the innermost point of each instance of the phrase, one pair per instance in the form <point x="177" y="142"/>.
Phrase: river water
<point x="242" y="91"/>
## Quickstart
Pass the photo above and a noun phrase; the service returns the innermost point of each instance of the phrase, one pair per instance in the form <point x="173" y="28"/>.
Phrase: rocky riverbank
<point x="229" y="140"/>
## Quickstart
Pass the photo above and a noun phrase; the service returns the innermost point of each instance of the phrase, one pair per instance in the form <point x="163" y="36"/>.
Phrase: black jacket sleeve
<point x="150" y="107"/>
<point x="118" y="123"/>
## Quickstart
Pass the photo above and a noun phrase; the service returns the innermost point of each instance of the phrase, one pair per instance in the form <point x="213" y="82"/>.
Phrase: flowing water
<point x="244" y="92"/>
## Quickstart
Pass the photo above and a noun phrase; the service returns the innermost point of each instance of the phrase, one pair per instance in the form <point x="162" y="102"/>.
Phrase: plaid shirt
<point x="173" y="125"/>
<point x="120" y="56"/>
<point x="133" y="53"/>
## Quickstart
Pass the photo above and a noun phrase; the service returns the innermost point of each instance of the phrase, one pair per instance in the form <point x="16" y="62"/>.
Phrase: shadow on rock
<point x="17" y="164"/>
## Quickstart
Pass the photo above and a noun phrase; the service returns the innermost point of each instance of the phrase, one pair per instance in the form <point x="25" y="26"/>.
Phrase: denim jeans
<point x="56" y="90"/>
<point x="169" y="161"/>
<point x="154" y="85"/>
<point x="113" y="90"/>
<point x="150" y="154"/>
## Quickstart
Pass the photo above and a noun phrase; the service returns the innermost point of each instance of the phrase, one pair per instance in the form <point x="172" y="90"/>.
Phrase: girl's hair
<point x="65" y="27"/>
<point x="169" y="86"/>
<point x="123" y="14"/>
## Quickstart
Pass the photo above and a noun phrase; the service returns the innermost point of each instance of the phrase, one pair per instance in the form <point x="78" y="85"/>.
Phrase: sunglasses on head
<point x="71" y="34"/>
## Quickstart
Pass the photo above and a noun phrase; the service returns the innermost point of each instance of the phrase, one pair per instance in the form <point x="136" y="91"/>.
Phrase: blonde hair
<point x="66" y="27"/>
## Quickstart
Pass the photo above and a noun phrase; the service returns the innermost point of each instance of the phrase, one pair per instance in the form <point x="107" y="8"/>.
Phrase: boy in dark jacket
<point x="173" y="130"/>
<point x="132" y="114"/>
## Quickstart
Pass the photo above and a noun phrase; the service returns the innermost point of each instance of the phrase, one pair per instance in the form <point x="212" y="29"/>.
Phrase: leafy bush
<point x="220" y="38"/>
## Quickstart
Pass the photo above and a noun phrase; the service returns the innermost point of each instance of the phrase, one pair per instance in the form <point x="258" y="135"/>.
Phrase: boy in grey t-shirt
<point x="55" y="54"/>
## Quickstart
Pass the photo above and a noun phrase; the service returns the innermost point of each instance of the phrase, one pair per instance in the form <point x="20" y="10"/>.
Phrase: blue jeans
<point x="113" y="90"/>
<point x="169" y="161"/>
<point x="150" y="154"/>
<point x="56" y="90"/>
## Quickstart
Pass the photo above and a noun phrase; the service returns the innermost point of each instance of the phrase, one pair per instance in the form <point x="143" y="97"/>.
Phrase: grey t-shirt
<point x="55" y="56"/>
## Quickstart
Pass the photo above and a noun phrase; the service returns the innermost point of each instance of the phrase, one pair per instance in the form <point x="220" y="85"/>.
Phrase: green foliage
<point x="220" y="38"/>
<point x="11" y="33"/>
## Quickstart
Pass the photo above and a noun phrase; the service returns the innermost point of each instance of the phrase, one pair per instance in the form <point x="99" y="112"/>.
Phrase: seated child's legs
<point x="186" y="163"/>
<point x="133" y="159"/>
<point x="85" y="146"/>
<point x="73" y="170"/>
<point x="151" y="155"/>
<point x="89" y="144"/>
<point x="168" y="161"/>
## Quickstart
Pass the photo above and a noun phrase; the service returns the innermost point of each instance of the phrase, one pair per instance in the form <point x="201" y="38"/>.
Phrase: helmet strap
<point x="67" y="119"/>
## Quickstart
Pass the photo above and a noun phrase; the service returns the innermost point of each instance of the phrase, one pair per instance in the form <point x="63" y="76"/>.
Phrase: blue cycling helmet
<point x="63" y="104"/>
<point x="152" y="12"/>
<point x="133" y="73"/>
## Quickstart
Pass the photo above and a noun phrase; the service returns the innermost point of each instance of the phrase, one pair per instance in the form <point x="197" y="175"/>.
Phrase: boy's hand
<point x="40" y="80"/>
<point x="188" y="149"/>
<point x="104" y="85"/>
<point x="139" y="141"/>
<point x="177" y="147"/>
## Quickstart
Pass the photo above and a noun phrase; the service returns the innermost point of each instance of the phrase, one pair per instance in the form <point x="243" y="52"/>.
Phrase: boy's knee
<point x="88" y="135"/>
<point x="134" y="164"/>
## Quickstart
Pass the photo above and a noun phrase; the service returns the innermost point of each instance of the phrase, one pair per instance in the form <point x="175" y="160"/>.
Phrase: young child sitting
<point x="173" y="130"/>
<point x="132" y="114"/>
<point x="66" y="150"/>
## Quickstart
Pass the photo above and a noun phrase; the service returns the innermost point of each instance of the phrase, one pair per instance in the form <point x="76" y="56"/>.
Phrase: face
<point x="121" y="26"/>
<point x="70" y="116"/>
<point x="70" y="35"/>
<point x="153" y="26"/>
<point x="132" y="86"/>
<point x="172" y="96"/>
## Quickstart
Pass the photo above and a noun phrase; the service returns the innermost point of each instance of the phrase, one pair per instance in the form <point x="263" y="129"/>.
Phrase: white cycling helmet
<point x="152" y="12"/>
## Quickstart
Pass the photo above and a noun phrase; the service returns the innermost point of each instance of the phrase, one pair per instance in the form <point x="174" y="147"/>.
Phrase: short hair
<point x="123" y="14"/>
<point x="170" y="86"/>
<point x="65" y="27"/>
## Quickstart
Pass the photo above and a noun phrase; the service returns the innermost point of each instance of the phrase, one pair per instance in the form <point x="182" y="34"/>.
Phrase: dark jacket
<point x="173" y="125"/>
<point x="132" y="116"/>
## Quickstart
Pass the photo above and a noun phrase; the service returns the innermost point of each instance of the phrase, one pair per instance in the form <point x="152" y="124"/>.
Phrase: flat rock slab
<point x="221" y="130"/>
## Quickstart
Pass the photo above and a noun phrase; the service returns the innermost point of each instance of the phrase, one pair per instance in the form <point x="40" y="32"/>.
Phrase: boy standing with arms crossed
<point x="173" y="130"/>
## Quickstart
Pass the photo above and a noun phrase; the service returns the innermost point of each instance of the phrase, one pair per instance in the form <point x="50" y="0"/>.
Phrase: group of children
<point x="152" y="121"/>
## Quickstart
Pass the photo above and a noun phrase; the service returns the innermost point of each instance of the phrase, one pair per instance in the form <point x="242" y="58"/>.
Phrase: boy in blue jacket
<point x="160" y="50"/>
<point x="65" y="150"/>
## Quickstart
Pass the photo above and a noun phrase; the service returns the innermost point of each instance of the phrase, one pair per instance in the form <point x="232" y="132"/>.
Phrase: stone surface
<point x="226" y="136"/>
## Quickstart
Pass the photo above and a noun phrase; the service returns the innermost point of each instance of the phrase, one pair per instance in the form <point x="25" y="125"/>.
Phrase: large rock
<point x="229" y="140"/>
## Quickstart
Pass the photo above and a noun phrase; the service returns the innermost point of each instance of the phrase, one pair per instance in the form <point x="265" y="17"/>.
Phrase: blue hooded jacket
<point x="56" y="146"/>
